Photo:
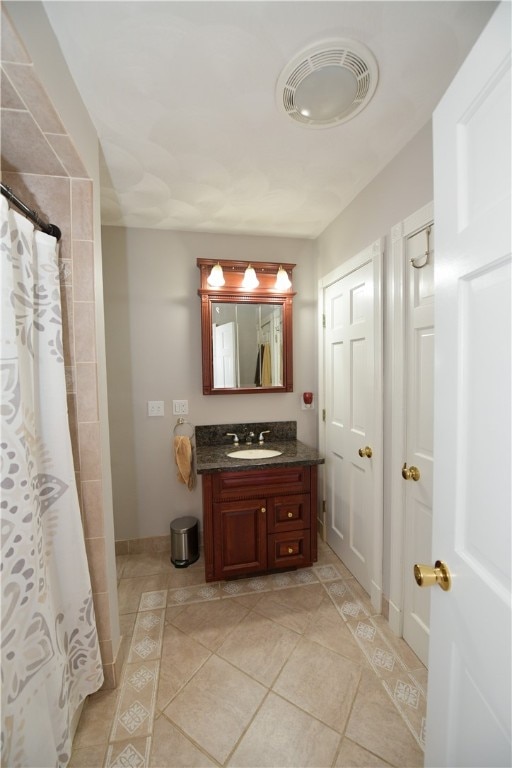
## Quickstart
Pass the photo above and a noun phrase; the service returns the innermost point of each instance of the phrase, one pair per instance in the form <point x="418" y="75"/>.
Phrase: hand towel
<point x="183" y="456"/>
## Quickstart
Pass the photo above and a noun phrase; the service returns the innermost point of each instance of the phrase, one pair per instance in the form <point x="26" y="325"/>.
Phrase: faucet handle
<point x="260" y="438"/>
<point x="234" y="436"/>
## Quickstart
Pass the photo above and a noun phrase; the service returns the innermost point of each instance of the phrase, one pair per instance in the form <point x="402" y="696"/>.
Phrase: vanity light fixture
<point x="283" y="282"/>
<point x="216" y="276"/>
<point x="250" y="280"/>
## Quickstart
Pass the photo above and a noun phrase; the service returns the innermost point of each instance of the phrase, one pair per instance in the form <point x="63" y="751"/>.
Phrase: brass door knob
<point x="427" y="576"/>
<point x="263" y="510"/>
<point x="366" y="451"/>
<point x="290" y="514"/>
<point x="410" y="473"/>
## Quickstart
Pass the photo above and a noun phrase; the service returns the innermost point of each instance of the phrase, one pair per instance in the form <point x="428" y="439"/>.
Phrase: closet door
<point x="353" y="415"/>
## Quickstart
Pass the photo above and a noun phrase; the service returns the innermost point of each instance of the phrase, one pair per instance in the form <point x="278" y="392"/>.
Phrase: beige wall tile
<point x="92" y="503"/>
<point x="12" y="47"/>
<point x="150" y="544"/>
<point x="10" y="99"/>
<point x="90" y="451"/>
<point x="68" y="326"/>
<point x="34" y="95"/>
<point x="106" y="652"/>
<point x="24" y="147"/>
<point x="86" y="392"/>
<point x="97" y="564"/>
<point x="73" y="430"/>
<point x="102" y="613"/>
<point x="67" y="154"/>
<point x="109" y="678"/>
<point x="81" y="209"/>
<point x="84" y="326"/>
<point x="83" y="270"/>
<point x="122" y="547"/>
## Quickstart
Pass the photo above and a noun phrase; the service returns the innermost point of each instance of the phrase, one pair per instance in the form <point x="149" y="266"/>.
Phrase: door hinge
<point x="323" y="321"/>
<point x="323" y="414"/>
<point x="324" y="507"/>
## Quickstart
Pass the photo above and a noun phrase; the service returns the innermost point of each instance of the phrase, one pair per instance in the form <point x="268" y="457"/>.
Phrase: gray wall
<point x="153" y="337"/>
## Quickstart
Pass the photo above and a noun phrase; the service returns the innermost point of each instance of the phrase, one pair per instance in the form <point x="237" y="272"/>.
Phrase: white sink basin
<point x="254" y="453"/>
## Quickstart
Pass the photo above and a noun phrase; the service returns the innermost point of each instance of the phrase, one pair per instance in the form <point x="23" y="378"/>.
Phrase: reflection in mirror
<point x="247" y="345"/>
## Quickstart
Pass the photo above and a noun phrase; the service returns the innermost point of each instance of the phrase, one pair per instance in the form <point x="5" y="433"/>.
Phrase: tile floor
<point x="282" y="670"/>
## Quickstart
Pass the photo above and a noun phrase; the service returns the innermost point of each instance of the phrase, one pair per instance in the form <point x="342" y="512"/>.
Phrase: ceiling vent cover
<point x="327" y="84"/>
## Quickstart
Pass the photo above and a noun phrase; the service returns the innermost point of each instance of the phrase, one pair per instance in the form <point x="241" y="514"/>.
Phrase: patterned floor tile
<point x="136" y="706"/>
<point x="375" y="647"/>
<point x="146" y="640"/>
<point x="409" y="698"/>
<point x="129" y="754"/>
<point x="194" y="594"/>
<point x="150" y="601"/>
<point x="346" y="601"/>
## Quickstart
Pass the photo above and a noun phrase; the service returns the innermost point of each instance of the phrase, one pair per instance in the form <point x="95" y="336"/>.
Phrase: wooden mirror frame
<point x="232" y="292"/>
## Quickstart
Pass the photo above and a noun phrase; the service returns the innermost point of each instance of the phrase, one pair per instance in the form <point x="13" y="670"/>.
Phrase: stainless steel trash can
<point x="184" y="541"/>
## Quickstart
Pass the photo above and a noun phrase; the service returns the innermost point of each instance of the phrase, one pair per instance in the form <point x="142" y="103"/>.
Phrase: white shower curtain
<point x="50" y="651"/>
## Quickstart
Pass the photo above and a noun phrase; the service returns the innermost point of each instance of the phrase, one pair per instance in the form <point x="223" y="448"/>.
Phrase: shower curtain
<point x="50" y="651"/>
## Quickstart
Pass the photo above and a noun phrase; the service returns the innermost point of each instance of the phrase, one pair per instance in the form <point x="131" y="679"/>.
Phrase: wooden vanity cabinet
<point x="259" y="520"/>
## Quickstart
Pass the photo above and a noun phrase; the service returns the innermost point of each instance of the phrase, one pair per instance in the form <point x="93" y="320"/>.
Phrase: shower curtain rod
<point x="49" y="229"/>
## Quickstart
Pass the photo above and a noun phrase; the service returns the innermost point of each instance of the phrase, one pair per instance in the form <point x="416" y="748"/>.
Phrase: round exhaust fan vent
<point x="327" y="84"/>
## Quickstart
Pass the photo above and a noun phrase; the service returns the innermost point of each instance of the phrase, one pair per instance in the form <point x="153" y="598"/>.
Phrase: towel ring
<point x="181" y="424"/>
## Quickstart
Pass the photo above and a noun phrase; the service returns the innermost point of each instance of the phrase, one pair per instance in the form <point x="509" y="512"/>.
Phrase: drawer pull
<point x="290" y="550"/>
<point x="263" y="510"/>
<point x="290" y="514"/>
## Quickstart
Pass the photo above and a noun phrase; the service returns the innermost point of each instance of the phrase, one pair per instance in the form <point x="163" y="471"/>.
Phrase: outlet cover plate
<point x="155" y="407"/>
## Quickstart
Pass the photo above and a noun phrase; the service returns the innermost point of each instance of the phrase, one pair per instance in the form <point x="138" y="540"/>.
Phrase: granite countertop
<point x="213" y="458"/>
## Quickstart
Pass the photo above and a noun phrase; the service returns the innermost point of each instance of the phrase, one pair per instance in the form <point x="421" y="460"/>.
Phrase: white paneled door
<point x="469" y="690"/>
<point x="419" y="438"/>
<point x="353" y="416"/>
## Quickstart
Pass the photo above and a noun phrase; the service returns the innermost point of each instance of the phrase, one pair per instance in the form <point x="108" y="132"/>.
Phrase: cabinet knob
<point x="290" y="514"/>
<point x="263" y="510"/>
<point x="290" y="550"/>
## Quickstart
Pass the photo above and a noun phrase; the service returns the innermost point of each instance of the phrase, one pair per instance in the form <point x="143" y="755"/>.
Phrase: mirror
<point x="246" y="333"/>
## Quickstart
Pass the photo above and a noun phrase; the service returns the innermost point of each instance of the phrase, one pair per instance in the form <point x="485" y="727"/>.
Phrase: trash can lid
<point x="182" y="524"/>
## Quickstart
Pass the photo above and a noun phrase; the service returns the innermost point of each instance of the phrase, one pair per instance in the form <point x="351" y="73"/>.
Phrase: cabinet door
<point x="240" y="538"/>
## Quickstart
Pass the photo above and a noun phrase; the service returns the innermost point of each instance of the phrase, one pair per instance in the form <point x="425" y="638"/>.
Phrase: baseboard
<point x="376" y="597"/>
<point x="395" y="618"/>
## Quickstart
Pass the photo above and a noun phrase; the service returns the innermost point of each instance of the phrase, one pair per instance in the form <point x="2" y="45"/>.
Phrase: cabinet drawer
<point x="256" y="482"/>
<point x="289" y="549"/>
<point x="288" y="513"/>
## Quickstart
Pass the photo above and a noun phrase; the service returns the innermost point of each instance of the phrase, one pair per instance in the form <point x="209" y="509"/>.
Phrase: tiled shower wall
<point x="41" y="165"/>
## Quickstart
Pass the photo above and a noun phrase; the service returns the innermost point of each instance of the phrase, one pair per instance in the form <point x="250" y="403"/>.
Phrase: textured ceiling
<point x="182" y="95"/>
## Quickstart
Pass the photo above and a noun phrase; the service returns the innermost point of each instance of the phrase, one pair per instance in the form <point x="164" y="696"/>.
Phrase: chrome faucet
<point x="261" y="439"/>
<point x="248" y="439"/>
<point x="234" y="436"/>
